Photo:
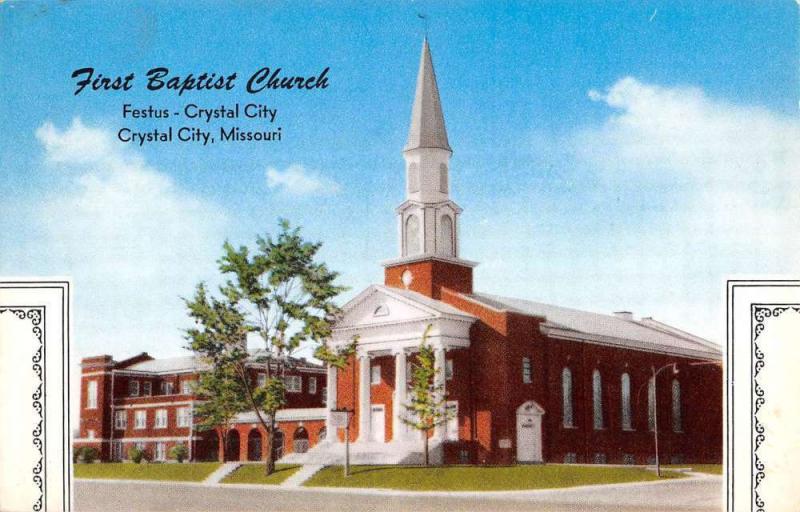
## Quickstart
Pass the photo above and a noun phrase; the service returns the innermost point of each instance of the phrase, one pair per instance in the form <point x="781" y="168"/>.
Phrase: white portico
<point x="391" y="321"/>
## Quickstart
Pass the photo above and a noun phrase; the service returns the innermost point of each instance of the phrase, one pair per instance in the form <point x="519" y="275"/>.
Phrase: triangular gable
<point x="377" y="305"/>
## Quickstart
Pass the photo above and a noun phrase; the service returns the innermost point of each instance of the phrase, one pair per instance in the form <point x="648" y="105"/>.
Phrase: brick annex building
<point x="525" y="381"/>
<point x="149" y="403"/>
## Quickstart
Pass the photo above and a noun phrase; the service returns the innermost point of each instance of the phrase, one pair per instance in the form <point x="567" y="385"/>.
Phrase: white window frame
<point x="451" y="425"/>
<point x="567" y="402"/>
<point x="147" y="388"/>
<point x="137" y="415"/>
<point x="91" y="394"/>
<point x="121" y="419"/>
<point x="184" y="417"/>
<point x="294" y="384"/>
<point x="677" y="416"/>
<point x="375" y="374"/>
<point x="161" y="451"/>
<point x="448" y="369"/>
<point x="626" y="414"/>
<point x="162" y="418"/>
<point x="133" y="388"/>
<point x="261" y="380"/>
<point x="312" y="385"/>
<point x="186" y="387"/>
<point x="597" y="401"/>
<point x="167" y="388"/>
<point x="527" y="370"/>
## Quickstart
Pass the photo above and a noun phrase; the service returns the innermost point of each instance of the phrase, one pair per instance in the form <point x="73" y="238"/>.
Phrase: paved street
<point x="689" y="495"/>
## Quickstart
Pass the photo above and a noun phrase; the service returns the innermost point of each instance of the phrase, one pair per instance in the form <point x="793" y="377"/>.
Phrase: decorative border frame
<point x="758" y="319"/>
<point x="36" y="314"/>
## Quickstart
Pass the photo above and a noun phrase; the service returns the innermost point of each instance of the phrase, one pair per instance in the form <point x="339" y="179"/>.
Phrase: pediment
<point x="376" y="306"/>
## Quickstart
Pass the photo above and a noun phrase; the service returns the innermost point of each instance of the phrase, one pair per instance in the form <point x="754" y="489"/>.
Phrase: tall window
<point x="141" y="420"/>
<point x="186" y="387"/>
<point x="413" y="178"/>
<point x="625" y="391"/>
<point x="566" y="394"/>
<point x="312" y="385"/>
<point x="651" y="404"/>
<point x="167" y="388"/>
<point x="447" y="236"/>
<point x="597" y="399"/>
<point x="121" y="420"/>
<point x="147" y="389"/>
<point x="443" y="178"/>
<point x="91" y="395"/>
<point x="161" y="451"/>
<point x="677" y="420"/>
<point x="412" y="235"/>
<point x="161" y="418"/>
<point x="448" y="369"/>
<point x="184" y="417"/>
<point x="133" y="388"/>
<point x="375" y="374"/>
<point x="526" y="370"/>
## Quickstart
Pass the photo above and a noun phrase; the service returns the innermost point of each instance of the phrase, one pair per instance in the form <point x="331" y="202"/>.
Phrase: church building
<point x="525" y="381"/>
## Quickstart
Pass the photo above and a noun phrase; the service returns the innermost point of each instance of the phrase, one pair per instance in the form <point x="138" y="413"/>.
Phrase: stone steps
<point x="221" y="472"/>
<point x="404" y="452"/>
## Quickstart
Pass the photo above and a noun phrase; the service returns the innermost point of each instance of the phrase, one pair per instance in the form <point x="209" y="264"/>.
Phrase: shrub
<point x="138" y="455"/>
<point x="179" y="452"/>
<point x="85" y="455"/>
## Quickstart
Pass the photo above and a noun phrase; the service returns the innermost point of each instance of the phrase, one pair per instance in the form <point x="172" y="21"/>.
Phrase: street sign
<point x="339" y="418"/>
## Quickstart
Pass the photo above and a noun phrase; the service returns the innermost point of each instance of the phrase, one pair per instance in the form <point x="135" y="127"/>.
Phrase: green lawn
<point x="474" y="478"/>
<point x="254" y="474"/>
<point x="188" y="472"/>
<point x="711" y="469"/>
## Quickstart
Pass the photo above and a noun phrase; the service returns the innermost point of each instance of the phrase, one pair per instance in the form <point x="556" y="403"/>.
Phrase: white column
<point x="364" y="409"/>
<point x="399" y="429"/>
<point x="332" y="434"/>
<point x="440" y="431"/>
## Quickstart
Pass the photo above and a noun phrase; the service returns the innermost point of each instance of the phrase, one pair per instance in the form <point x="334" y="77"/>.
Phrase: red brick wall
<point x="430" y="276"/>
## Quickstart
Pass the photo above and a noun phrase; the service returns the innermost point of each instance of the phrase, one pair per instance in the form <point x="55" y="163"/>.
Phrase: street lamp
<point x="655" y="407"/>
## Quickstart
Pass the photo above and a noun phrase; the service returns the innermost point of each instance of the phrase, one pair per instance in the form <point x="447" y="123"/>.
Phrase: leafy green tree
<point x="278" y="294"/>
<point x="427" y="407"/>
<point x="221" y="397"/>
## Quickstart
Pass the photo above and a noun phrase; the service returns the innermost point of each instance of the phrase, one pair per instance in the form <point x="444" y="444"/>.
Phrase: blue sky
<point x="608" y="155"/>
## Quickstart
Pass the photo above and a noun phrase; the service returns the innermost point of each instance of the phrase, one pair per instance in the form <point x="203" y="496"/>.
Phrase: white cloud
<point x="133" y="240"/>
<point x="296" y="180"/>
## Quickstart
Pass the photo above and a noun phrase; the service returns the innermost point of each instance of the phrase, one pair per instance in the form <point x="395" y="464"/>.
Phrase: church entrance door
<point x="529" y="432"/>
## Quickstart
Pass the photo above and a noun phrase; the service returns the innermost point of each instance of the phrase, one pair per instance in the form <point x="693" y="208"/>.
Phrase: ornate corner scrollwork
<point x="36" y="317"/>
<point x="760" y="314"/>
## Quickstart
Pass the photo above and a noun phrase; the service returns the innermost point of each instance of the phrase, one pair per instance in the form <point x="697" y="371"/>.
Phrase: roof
<point x="427" y="121"/>
<point x="193" y="363"/>
<point x="645" y="334"/>
<point x="438" y="306"/>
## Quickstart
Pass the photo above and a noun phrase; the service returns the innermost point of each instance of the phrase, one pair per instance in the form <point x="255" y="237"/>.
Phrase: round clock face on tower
<point x="407" y="278"/>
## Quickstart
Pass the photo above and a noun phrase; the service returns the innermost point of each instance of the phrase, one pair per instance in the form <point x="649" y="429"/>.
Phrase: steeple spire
<point x="427" y="121"/>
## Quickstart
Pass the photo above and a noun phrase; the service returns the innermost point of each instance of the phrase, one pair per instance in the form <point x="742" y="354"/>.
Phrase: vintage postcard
<point x="407" y="256"/>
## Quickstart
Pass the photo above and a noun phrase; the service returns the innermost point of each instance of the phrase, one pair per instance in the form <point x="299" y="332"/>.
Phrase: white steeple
<point x="428" y="218"/>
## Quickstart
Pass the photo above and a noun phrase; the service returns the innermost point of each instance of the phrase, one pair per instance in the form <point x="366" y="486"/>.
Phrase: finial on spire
<point x="427" y="120"/>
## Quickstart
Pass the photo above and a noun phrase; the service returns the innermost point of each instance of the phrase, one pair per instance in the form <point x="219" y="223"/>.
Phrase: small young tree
<point x="428" y="402"/>
<point x="282" y="295"/>
<point x="221" y="398"/>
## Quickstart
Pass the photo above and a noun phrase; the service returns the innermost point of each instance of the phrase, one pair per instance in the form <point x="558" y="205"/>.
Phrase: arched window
<point x="677" y="421"/>
<point x="413" y="178"/>
<point x="412" y="235"/>
<point x="447" y="236"/>
<point x="566" y="394"/>
<point x="651" y="404"/>
<point x="597" y="399"/>
<point x="625" y="391"/>
<point x="443" y="178"/>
